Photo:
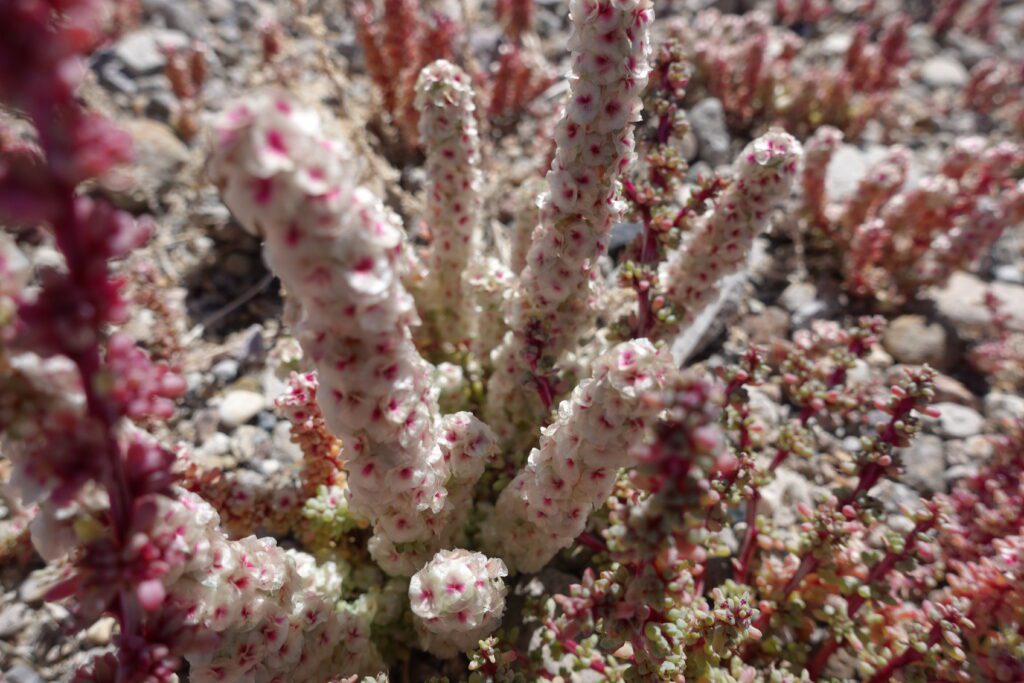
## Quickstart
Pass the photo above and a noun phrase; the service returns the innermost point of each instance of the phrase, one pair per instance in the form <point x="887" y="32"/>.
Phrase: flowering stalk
<point x="448" y="133"/>
<point x="719" y="247"/>
<point x="547" y="505"/>
<point x="594" y="144"/>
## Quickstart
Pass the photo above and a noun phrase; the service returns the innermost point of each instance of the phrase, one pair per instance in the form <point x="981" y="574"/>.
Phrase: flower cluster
<point x="547" y="505"/>
<point x="272" y="612"/>
<point x="458" y="599"/>
<point x="994" y="89"/>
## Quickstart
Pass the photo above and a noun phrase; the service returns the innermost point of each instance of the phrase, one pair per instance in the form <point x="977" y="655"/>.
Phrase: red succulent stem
<point x="591" y="541"/>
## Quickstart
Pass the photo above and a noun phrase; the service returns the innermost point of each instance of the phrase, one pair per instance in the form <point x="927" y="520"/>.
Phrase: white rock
<point x="944" y="71"/>
<point x="956" y="421"/>
<point x="1001" y="407"/>
<point x="141" y="51"/>
<point x="240" y="406"/>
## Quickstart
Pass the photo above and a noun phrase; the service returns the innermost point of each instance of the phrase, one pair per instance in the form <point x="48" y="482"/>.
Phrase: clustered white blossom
<point x="573" y="471"/>
<point x="448" y="132"/>
<point x="458" y="599"/>
<point x="339" y="253"/>
<point x="762" y="176"/>
<point x="275" y="613"/>
<point x="594" y="143"/>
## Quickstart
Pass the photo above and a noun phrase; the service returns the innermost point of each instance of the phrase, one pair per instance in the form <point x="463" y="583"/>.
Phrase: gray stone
<point x="836" y="43"/>
<point x="285" y="449"/>
<point x="944" y="71"/>
<point x="956" y="421"/>
<point x="141" y="52"/>
<point x="250" y="444"/>
<point x="13" y="619"/>
<point x="1000" y="407"/>
<point x="895" y="495"/>
<point x="797" y="295"/>
<point x="623" y="234"/>
<point x="19" y="673"/>
<point x="962" y="302"/>
<point x="925" y="463"/>
<point x="177" y="14"/>
<point x="159" y="154"/>
<point x="913" y="340"/>
<point x="782" y="495"/>
<point x="99" y="634"/>
<point x="217" y="445"/>
<point x="240" y="406"/>
<point x="849" y="164"/>
<point x="112" y="76"/>
<point x="35" y="586"/>
<point x="707" y="121"/>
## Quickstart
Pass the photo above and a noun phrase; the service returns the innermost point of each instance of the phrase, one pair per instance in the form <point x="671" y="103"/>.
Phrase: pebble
<point x="707" y="121"/>
<point x="944" y="71"/>
<point x="19" y="673"/>
<point x="240" y="406"/>
<point x="1000" y="407"/>
<point x="216" y="445"/>
<point x="952" y="390"/>
<point x="623" y="234"/>
<point x="956" y="421"/>
<point x="141" y="52"/>
<point x="159" y="154"/>
<point x="99" y="634"/>
<point x="284" y="449"/>
<point x="225" y="370"/>
<point x="849" y="164"/>
<point x="782" y="495"/>
<point x="962" y="302"/>
<point x="925" y="463"/>
<point x="13" y="619"/>
<point x="35" y="586"/>
<point x="250" y="444"/>
<point x="914" y="340"/>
